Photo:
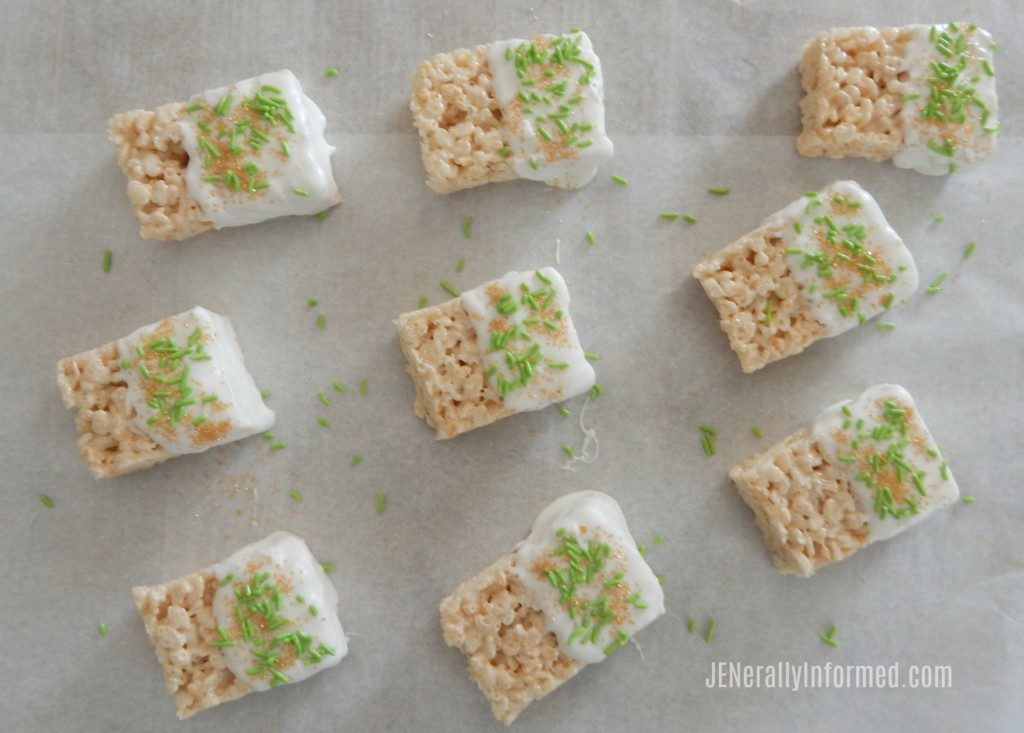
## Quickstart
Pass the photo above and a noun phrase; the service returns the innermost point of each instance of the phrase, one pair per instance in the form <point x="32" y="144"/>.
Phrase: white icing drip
<point x="224" y="375"/>
<point x="590" y="449"/>
<point x="828" y="431"/>
<point x="576" y="170"/>
<point x="296" y="573"/>
<point x="587" y="516"/>
<point x="560" y="345"/>
<point x="881" y="241"/>
<point x="307" y="166"/>
<point x="917" y="59"/>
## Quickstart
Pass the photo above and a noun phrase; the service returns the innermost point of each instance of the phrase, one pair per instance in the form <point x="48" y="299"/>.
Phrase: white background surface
<point x="699" y="94"/>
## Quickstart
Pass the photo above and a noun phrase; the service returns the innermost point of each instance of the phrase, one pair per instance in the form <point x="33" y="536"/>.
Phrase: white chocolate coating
<point x="835" y="429"/>
<point x="233" y="408"/>
<point x="563" y="166"/>
<point x="295" y="573"/>
<point x="307" y="166"/>
<point x="555" y="336"/>
<point x="589" y="516"/>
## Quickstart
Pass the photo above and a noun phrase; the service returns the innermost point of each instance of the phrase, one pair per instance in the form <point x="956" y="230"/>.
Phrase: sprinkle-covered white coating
<point x="924" y="138"/>
<point x="558" y="367"/>
<point x="572" y="96"/>
<point x="589" y="517"/>
<point x="212" y="368"/>
<point x="296" y="574"/>
<point x="868" y="266"/>
<point x="904" y="455"/>
<point x="289" y="159"/>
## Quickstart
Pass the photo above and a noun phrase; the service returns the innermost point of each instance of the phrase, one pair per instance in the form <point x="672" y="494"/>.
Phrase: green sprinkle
<point x="322" y="215"/>
<point x="330" y="71"/>
<point x="467" y="222"/>
<point x="590" y="356"/>
<point x="590" y="237"/>
<point x="364" y="387"/>
<point x="313" y="611"/>
<point x="564" y="411"/>
<point x="269" y="435"/>
<point x="936" y="285"/>
<point x="321" y="321"/>
<point x="938" y="218"/>
<point x="659" y="539"/>
<point x="642" y="549"/>
<point x="287" y="152"/>
<point x="670" y="215"/>
<point x="704" y="428"/>
<point x="108" y="260"/>
<point x="707" y="443"/>
<point x="322" y="397"/>
<point x="690" y="218"/>
<point x="709" y="630"/>
<point x="422" y="302"/>
<point x="328" y="566"/>
<point x="264" y="393"/>
<point x="911" y="96"/>
<point x="885" y="325"/>
<point x="199" y="420"/>
<point x="296" y="496"/>
<point x="195" y="107"/>
<point x="505" y="151"/>
<point x="338" y="386"/>
<point x="756" y="432"/>
<point x="226" y="579"/>
<point x="986" y="66"/>
<point x="829" y="636"/>
<point x="102" y="628"/>
<point x="596" y="390"/>
<point x="691" y="624"/>
<point x="312" y="302"/>
<point x="460" y="264"/>
<point x="382" y="502"/>
<point x="46" y="500"/>
<point x="568" y="450"/>
<point x="324" y="421"/>
<point x="207" y="399"/>
<point x="967" y="499"/>
<point x="534" y="164"/>
<point x="719" y="190"/>
<point x="300" y="191"/>
<point x="356" y="459"/>
<point x="450" y="289"/>
<point x="277" y="445"/>
<point x="969" y="249"/>
<point x="616" y="178"/>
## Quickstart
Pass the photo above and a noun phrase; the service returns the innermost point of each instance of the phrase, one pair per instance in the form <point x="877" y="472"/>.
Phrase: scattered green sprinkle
<point x="596" y="390"/>
<point x="269" y="435"/>
<point x="108" y="260"/>
<point x="936" y="285"/>
<point x="616" y="178"/>
<point x="720" y="190"/>
<point x="829" y="636"/>
<point x="277" y="445"/>
<point x="709" y="630"/>
<point x="422" y="302"/>
<point x="969" y="249"/>
<point x="885" y="325"/>
<point x="382" y="502"/>
<point x="364" y="387"/>
<point x="691" y="624"/>
<point x="330" y="71"/>
<point x="659" y="539"/>
<point x="322" y="396"/>
<point x="450" y="289"/>
<point x="46" y="500"/>
<point x="670" y="215"/>
<point x="328" y="566"/>
<point x="467" y="222"/>
<point x="295" y="495"/>
<point x="102" y="628"/>
<point x="264" y="393"/>
<point x="564" y="411"/>
<point x="356" y="459"/>
<point x="459" y="264"/>
<point x="324" y="421"/>
<point x="320" y="216"/>
<point x="568" y="450"/>
<point x="313" y="611"/>
<point x="967" y="499"/>
<point x="321" y="321"/>
<point x="312" y="302"/>
<point x="642" y="549"/>
<point x="756" y="432"/>
<point x="590" y="356"/>
<point x="339" y="387"/>
<point x="226" y="579"/>
<point x="299" y="191"/>
<point x="590" y="237"/>
<point x="938" y="218"/>
<point x="690" y="218"/>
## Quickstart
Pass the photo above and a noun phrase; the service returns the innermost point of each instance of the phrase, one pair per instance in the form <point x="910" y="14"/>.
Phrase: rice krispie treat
<point x="172" y="387"/>
<point x="266" y="616"/>
<point x="826" y="263"/>
<point x="237" y="155"/>
<point x="507" y="346"/>
<point x="575" y="590"/>
<point x="512" y="109"/>
<point x="864" y="471"/>
<point x="924" y="96"/>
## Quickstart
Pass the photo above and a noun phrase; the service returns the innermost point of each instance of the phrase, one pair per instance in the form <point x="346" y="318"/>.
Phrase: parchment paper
<point x="699" y="94"/>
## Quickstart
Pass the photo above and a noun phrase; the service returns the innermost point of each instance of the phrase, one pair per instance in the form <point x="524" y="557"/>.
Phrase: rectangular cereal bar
<point x="507" y="346"/>
<point x="172" y="387"/>
<point x="864" y="471"/>
<point x="241" y="154"/>
<point x="823" y="265"/>
<point x="512" y="109"/>
<point x="264" y="617"/>
<point x="921" y="95"/>
<point x="569" y="595"/>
